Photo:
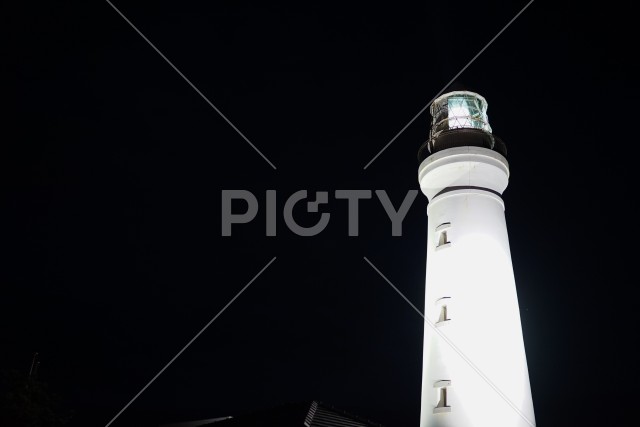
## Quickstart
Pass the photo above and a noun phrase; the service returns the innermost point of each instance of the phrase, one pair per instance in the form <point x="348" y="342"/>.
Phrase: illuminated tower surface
<point x="474" y="363"/>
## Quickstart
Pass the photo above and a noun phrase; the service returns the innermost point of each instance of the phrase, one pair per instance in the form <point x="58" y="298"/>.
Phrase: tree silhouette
<point x="27" y="402"/>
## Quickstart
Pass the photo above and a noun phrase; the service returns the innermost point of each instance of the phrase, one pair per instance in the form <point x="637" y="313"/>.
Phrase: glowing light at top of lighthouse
<point x="459" y="109"/>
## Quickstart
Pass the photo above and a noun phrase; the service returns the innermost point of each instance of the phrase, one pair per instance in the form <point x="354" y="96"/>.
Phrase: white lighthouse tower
<point x="474" y="363"/>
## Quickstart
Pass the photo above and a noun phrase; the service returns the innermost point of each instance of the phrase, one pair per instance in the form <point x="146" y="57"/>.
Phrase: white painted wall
<point x="475" y="272"/>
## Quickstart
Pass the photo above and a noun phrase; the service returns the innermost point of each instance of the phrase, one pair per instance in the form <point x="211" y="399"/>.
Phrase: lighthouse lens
<point x="466" y="112"/>
<point x="457" y="110"/>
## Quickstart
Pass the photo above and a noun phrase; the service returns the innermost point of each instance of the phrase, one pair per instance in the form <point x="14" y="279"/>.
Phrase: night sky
<point x="112" y="253"/>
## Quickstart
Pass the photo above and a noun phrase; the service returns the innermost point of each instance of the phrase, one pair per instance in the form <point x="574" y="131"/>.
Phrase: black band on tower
<point x="467" y="187"/>
<point x="462" y="137"/>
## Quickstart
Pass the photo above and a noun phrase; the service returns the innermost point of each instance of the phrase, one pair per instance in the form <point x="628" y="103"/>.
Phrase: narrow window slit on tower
<point x="443" y="238"/>
<point x="443" y="313"/>
<point x="442" y="394"/>
<point x="443" y="398"/>
<point x="442" y="235"/>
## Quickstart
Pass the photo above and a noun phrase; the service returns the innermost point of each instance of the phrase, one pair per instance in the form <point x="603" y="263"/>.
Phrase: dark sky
<point x="112" y="254"/>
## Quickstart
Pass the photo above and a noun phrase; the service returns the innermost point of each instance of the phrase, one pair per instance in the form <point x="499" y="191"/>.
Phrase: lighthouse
<point x="474" y="362"/>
